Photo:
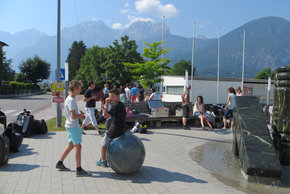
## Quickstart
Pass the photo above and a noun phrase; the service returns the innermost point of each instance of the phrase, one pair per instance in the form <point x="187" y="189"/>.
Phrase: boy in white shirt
<point x="74" y="130"/>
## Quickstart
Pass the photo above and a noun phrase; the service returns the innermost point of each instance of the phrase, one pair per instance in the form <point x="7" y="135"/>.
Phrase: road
<point x="13" y="106"/>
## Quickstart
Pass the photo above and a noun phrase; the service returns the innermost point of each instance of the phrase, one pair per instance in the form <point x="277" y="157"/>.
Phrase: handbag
<point x="129" y="113"/>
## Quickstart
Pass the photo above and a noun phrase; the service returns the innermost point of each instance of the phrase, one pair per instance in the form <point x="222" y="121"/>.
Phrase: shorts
<point x="133" y="97"/>
<point x="90" y="117"/>
<point x="106" y="140"/>
<point x="185" y="111"/>
<point x="196" y="114"/>
<point x="74" y="135"/>
<point x="228" y="114"/>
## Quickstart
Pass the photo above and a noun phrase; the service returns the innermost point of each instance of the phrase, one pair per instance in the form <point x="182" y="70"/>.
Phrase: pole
<point x="192" y="60"/>
<point x="243" y="60"/>
<point x="58" y="110"/>
<point x="218" y="67"/>
<point x="66" y="79"/>
<point x="268" y="90"/>
<point x="163" y="24"/>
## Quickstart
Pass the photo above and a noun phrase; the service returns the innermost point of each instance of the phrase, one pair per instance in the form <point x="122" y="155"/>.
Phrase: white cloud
<point x="117" y="26"/>
<point x="154" y="7"/>
<point x="124" y="10"/>
<point x="127" y="4"/>
<point x="133" y="19"/>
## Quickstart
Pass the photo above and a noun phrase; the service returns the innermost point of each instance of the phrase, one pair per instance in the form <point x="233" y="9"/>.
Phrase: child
<point x="118" y="126"/>
<point x="90" y="100"/>
<point x="229" y="108"/>
<point x="74" y="131"/>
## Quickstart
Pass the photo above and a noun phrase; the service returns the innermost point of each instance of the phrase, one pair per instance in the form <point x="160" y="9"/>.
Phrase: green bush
<point x="14" y="85"/>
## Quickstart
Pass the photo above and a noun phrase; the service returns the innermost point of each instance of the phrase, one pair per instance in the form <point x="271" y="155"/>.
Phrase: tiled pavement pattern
<point x="168" y="167"/>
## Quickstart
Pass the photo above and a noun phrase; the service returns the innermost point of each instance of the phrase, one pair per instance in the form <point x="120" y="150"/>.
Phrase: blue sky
<point x="18" y="15"/>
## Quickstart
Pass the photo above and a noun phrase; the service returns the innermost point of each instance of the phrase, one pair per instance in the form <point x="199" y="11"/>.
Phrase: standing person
<point x="122" y="95"/>
<point x="239" y="91"/>
<point x="229" y="108"/>
<point x="185" y="107"/>
<point x="199" y="111"/>
<point x="90" y="100"/>
<point x="74" y="131"/>
<point x="141" y="95"/>
<point x="153" y="95"/>
<point x="134" y="91"/>
<point x="106" y="91"/>
<point x="128" y="93"/>
<point x="118" y="125"/>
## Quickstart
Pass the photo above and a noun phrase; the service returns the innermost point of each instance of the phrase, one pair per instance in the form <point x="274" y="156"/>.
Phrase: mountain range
<point x="267" y="45"/>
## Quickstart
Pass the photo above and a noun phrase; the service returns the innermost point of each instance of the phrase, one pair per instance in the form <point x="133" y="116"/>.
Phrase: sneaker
<point x="186" y="128"/>
<point x="61" y="167"/>
<point x="82" y="172"/>
<point x="101" y="133"/>
<point x="102" y="163"/>
<point x="84" y="133"/>
<point x="224" y="128"/>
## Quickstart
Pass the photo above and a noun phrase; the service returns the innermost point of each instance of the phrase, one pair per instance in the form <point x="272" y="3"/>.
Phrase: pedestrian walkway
<point x="167" y="167"/>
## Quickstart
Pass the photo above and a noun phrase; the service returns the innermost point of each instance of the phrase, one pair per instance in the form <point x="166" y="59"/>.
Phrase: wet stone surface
<point x="219" y="159"/>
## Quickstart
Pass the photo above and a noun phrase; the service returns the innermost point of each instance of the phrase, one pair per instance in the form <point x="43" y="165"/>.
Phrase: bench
<point x="143" y="107"/>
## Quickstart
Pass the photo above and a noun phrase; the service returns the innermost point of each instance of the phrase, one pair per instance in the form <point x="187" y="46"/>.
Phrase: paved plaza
<point x="168" y="165"/>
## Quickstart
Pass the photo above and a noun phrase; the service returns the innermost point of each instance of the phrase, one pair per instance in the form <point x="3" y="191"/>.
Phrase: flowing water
<point x="219" y="159"/>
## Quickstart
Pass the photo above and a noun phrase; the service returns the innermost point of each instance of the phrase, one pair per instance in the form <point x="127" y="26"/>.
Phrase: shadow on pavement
<point x="43" y="136"/>
<point x="18" y="167"/>
<point x="23" y="151"/>
<point x="148" y="174"/>
<point x="201" y="138"/>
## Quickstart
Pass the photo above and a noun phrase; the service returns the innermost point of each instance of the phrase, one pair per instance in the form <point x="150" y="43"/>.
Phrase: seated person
<point x="118" y="125"/>
<point x="199" y="111"/>
<point x="153" y="95"/>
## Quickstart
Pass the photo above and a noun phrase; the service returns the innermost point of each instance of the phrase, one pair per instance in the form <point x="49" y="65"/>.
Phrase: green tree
<point x="35" y="69"/>
<point x="76" y="52"/>
<point x="91" y="65"/>
<point x="120" y="53"/>
<point x="20" y="77"/>
<point x="180" y="67"/>
<point x="5" y="71"/>
<point x="265" y="73"/>
<point x="150" y="71"/>
<point x="101" y="64"/>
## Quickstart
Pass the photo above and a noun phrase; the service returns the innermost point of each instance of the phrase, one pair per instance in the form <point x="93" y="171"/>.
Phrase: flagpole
<point x="218" y="67"/>
<point x="192" y="60"/>
<point x="163" y="24"/>
<point x="243" y="60"/>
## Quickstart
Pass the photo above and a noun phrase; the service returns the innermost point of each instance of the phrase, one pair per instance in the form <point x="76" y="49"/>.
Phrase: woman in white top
<point x="199" y="111"/>
<point x="239" y="91"/>
<point x="153" y="95"/>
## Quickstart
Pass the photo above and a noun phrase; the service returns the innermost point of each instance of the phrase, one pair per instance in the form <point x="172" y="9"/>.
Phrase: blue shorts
<point x="196" y="114"/>
<point x="74" y="135"/>
<point x="228" y="114"/>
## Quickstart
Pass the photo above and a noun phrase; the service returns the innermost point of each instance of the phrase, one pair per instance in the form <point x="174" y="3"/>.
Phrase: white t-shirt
<point x="128" y="93"/>
<point x="69" y="105"/>
<point x="154" y="96"/>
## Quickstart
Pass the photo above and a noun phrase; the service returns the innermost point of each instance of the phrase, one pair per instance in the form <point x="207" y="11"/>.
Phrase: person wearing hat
<point x="185" y="106"/>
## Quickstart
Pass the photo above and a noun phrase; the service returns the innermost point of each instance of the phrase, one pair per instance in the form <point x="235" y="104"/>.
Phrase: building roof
<point x="246" y="80"/>
<point x="3" y="44"/>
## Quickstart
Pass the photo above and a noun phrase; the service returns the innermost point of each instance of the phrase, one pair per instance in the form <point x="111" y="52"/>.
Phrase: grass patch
<point x="51" y="125"/>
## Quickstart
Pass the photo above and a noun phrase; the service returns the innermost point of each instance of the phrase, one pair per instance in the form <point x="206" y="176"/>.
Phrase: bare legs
<point x="202" y="119"/>
<point x="69" y="148"/>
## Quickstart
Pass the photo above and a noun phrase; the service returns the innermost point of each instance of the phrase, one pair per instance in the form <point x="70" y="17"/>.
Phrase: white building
<point x="173" y="87"/>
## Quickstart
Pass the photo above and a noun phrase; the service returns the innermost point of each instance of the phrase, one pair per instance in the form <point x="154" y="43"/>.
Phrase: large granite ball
<point x="126" y="153"/>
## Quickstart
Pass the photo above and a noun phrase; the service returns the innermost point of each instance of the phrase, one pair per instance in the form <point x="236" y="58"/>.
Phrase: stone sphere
<point x="126" y="153"/>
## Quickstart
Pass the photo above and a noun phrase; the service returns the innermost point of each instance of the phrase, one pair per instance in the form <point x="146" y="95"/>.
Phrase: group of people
<point x="129" y="94"/>
<point x="113" y="108"/>
<point x="199" y="108"/>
